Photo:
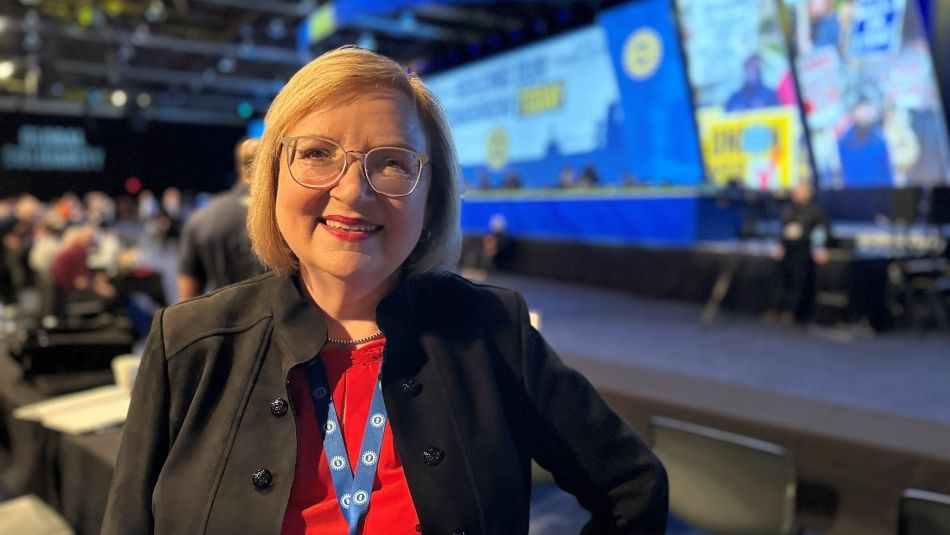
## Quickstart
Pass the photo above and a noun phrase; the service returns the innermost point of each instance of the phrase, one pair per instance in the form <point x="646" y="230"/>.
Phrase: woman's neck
<point x="348" y="306"/>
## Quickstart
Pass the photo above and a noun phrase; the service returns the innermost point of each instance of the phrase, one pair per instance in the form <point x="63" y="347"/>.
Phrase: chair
<point x="924" y="513"/>
<point x="922" y="285"/>
<point x="724" y="483"/>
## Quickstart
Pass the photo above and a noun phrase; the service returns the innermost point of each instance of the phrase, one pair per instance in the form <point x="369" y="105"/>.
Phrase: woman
<point x="252" y="402"/>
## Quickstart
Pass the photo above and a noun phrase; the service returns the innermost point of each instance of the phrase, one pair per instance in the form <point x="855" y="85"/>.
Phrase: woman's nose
<point x="353" y="185"/>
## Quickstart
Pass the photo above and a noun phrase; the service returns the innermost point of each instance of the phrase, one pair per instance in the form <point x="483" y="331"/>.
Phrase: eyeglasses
<point x="316" y="162"/>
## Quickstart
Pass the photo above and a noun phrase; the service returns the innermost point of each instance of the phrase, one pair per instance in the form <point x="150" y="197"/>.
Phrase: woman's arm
<point x="590" y="451"/>
<point x="145" y="443"/>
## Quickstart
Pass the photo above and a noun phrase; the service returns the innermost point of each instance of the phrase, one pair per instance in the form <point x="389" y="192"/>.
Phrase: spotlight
<point x="119" y="98"/>
<point x="226" y="64"/>
<point x="144" y="100"/>
<point x="245" y="110"/>
<point x="6" y="69"/>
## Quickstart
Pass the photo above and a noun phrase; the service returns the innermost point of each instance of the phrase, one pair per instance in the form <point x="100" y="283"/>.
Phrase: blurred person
<point x="47" y="243"/>
<point x="589" y="177"/>
<point x="865" y="160"/>
<point x="805" y="234"/>
<point x="903" y="145"/>
<point x="566" y="177"/>
<point x="824" y="25"/>
<point x="17" y="236"/>
<point x="100" y="208"/>
<point x="215" y="250"/>
<point x="252" y="403"/>
<point x="753" y="93"/>
<point x="70" y="270"/>
<point x="512" y="180"/>
<point x="170" y="215"/>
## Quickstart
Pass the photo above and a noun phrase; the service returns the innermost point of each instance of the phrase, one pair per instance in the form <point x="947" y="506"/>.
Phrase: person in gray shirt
<point x="215" y="250"/>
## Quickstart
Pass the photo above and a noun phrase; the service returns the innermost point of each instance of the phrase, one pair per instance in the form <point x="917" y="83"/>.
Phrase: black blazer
<point x="473" y="394"/>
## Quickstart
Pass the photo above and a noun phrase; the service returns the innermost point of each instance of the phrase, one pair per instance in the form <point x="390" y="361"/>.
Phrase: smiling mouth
<point x="349" y="229"/>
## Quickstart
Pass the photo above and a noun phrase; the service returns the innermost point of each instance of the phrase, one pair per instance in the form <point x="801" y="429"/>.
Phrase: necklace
<point x="354" y="341"/>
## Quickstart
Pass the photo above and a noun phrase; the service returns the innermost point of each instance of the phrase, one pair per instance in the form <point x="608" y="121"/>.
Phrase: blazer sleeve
<point x="587" y="447"/>
<point x="145" y="443"/>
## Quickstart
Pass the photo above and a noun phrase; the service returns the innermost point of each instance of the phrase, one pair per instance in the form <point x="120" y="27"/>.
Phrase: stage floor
<point x="864" y="416"/>
<point x="902" y="373"/>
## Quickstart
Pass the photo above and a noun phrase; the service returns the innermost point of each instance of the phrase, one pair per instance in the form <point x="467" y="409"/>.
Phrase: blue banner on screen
<point x="658" y="128"/>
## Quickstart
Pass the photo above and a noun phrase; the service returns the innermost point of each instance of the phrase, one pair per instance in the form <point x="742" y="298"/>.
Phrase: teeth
<point x="351" y="228"/>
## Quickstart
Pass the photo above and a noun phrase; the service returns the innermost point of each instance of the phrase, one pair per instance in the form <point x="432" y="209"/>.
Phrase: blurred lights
<point x="133" y="185"/>
<point x="6" y="69"/>
<point x="119" y="98"/>
<point x="144" y="100"/>
<point x="276" y="28"/>
<point x="245" y="110"/>
<point x="155" y="11"/>
<point x="226" y="64"/>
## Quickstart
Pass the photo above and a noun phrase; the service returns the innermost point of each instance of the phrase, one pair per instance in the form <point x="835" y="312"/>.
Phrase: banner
<point x="658" y="128"/>
<point x="755" y="148"/>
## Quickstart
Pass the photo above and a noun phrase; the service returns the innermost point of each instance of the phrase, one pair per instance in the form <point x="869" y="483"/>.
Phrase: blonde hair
<point x="338" y="72"/>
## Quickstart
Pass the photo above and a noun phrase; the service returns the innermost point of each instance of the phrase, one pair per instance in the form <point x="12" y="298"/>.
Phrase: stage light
<point x="133" y="185"/>
<point x="119" y="98"/>
<point x="155" y="11"/>
<point x="276" y="28"/>
<point x="6" y="69"/>
<point x="144" y="100"/>
<point x="4" y="23"/>
<point x="93" y="96"/>
<point x="245" y="110"/>
<point x="226" y="64"/>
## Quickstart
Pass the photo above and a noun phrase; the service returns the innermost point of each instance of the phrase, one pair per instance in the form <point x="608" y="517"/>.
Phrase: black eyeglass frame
<point x="290" y="143"/>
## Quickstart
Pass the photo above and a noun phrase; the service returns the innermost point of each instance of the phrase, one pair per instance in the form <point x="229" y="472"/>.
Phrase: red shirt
<point x="313" y="508"/>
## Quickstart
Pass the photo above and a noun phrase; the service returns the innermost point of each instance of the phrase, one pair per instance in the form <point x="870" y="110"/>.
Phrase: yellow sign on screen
<point x="759" y="148"/>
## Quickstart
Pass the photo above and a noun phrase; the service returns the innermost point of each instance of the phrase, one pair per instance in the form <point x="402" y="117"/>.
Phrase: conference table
<point x="71" y="473"/>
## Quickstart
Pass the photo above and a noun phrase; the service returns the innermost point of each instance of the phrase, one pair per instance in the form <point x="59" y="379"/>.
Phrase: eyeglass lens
<point x="320" y="162"/>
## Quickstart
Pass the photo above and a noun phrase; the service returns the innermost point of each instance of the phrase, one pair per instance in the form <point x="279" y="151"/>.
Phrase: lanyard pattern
<point x="353" y="487"/>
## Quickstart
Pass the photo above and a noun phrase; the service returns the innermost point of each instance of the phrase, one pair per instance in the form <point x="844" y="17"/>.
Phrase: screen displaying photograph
<point x="870" y="96"/>
<point x="747" y="107"/>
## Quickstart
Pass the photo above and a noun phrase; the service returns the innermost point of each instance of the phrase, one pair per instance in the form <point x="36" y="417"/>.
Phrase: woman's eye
<point x="315" y="154"/>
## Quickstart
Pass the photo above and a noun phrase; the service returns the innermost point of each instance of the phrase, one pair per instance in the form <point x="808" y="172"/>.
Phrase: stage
<point x="864" y="419"/>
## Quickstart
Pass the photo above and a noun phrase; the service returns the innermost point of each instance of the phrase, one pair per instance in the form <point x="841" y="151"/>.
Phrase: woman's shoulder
<point x="231" y="308"/>
<point x="449" y="295"/>
<point x="453" y="285"/>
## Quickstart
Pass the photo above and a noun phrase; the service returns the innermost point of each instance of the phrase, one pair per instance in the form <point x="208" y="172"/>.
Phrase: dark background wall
<point x="190" y="157"/>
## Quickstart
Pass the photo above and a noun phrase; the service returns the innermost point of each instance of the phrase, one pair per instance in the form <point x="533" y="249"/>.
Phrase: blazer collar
<point x="302" y="331"/>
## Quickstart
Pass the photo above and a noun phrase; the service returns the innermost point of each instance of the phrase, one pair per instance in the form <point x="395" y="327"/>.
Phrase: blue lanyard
<point x="353" y="490"/>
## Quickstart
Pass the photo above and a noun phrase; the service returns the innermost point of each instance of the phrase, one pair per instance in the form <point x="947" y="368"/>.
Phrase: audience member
<point x="215" y="250"/>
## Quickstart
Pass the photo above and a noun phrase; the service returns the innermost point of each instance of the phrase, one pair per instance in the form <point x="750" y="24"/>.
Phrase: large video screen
<point x="585" y="136"/>
<point x="570" y="112"/>
<point x="747" y="107"/>
<point x="870" y="95"/>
